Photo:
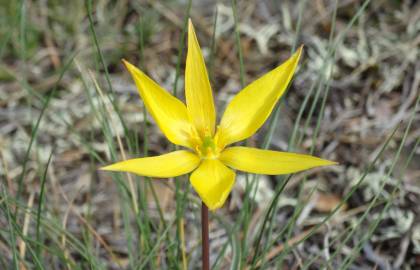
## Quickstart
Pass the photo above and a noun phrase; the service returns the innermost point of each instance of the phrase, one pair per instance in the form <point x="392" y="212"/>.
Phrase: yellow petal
<point x="249" y="109"/>
<point x="213" y="181"/>
<point x="260" y="161"/>
<point x="167" y="165"/>
<point x="169" y="113"/>
<point x="197" y="88"/>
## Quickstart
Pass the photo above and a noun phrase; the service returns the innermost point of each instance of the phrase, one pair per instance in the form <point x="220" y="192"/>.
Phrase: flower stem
<point x="205" y="236"/>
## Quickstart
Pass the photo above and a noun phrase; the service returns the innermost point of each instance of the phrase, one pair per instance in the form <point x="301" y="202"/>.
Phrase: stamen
<point x="208" y="149"/>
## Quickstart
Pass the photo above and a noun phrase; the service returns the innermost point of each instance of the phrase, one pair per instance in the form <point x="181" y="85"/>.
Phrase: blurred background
<point x="68" y="107"/>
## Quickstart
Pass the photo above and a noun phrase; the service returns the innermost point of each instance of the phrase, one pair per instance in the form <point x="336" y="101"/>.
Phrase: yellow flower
<point x="208" y="156"/>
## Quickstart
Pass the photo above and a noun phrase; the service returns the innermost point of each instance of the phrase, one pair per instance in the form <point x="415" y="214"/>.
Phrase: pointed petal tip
<point x="331" y="163"/>
<point x="214" y="206"/>
<point x="325" y="162"/>
<point x="190" y="25"/>
<point x="130" y="67"/>
<point x="107" y="168"/>
<point x="114" y="167"/>
<point x="298" y="53"/>
<point x="127" y="64"/>
<point x="192" y="36"/>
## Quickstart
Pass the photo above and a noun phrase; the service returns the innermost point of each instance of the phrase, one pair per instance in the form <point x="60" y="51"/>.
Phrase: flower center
<point x="208" y="149"/>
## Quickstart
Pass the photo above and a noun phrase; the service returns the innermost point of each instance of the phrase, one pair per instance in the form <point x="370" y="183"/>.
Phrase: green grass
<point x="154" y="237"/>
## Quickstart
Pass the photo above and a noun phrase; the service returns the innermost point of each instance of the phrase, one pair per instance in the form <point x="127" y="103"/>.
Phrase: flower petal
<point x="163" y="166"/>
<point x="260" y="161"/>
<point x="169" y="113"/>
<point x="197" y="88"/>
<point x="249" y="109"/>
<point x="213" y="181"/>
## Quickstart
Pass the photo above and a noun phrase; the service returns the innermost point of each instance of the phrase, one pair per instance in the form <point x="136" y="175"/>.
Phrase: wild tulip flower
<point x="208" y="154"/>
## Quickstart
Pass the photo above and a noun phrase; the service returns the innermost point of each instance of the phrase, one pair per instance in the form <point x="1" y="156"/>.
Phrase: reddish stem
<point x="205" y="236"/>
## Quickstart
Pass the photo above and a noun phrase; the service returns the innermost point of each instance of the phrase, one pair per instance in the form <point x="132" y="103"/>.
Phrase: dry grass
<point x="373" y="84"/>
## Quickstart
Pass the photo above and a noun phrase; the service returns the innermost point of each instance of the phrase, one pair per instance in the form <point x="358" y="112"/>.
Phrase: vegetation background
<point x="68" y="106"/>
